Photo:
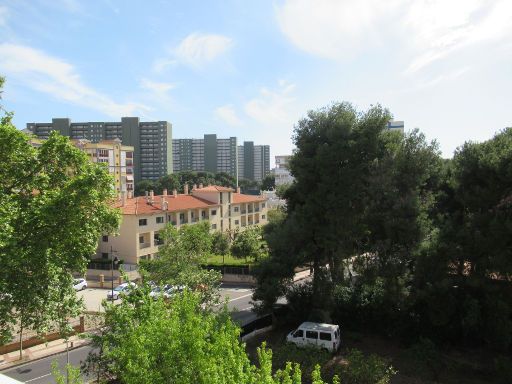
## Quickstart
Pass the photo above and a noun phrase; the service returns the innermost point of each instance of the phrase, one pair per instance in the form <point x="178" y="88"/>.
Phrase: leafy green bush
<point x="427" y="358"/>
<point x="307" y="357"/>
<point x="503" y="369"/>
<point x="363" y="369"/>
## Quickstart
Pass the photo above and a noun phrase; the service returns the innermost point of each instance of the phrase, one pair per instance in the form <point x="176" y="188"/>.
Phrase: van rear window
<point x="325" y="336"/>
<point x="312" y="335"/>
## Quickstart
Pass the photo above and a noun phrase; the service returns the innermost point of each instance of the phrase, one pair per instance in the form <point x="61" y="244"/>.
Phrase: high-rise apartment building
<point x="253" y="161"/>
<point x="208" y="154"/>
<point x="152" y="141"/>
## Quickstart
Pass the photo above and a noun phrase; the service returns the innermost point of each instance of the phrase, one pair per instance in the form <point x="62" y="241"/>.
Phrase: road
<point x="39" y="371"/>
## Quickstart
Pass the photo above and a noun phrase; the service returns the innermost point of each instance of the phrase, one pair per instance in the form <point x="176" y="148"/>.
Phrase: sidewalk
<point x="37" y="352"/>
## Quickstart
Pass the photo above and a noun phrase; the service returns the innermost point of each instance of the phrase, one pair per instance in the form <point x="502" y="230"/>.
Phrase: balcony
<point x="144" y="245"/>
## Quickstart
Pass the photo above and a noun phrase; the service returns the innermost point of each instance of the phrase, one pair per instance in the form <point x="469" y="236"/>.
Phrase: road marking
<point x="241" y="297"/>
<point x="37" y="378"/>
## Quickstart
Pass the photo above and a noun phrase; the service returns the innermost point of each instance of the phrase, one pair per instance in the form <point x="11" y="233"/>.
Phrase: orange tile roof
<point x="215" y="188"/>
<point x="237" y="198"/>
<point x="139" y="206"/>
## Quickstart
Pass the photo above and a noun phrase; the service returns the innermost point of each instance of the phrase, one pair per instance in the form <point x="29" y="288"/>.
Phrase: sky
<point x="253" y="69"/>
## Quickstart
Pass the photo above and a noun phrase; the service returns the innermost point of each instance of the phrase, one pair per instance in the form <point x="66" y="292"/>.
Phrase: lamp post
<point x="115" y="261"/>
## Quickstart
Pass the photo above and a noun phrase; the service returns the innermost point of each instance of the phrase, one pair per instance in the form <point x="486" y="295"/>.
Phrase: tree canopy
<point x="54" y="205"/>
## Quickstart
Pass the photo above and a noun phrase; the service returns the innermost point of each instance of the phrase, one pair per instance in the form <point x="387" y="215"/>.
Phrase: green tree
<point x="183" y="252"/>
<point x="148" y="341"/>
<point x="144" y="186"/>
<point x="220" y="243"/>
<point x="268" y="183"/>
<point x="249" y="244"/>
<point x="55" y="205"/>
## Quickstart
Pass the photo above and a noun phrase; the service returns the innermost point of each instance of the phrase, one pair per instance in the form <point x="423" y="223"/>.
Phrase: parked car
<point x="79" y="284"/>
<point x="319" y="335"/>
<point x="122" y="288"/>
<point x="157" y="292"/>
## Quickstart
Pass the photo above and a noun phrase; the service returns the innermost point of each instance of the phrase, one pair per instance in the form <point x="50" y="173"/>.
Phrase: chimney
<point x="129" y="194"/>
<point x="185" y="189"/>
<point x="174" y="193"/>
<point x="151" y="197"/>
<point x="200" y="185"/>
<point x="165" y="205"/>
<point x="194" y="187"/>
<point x="164" y="192"/>
<point x="237" y="189"/>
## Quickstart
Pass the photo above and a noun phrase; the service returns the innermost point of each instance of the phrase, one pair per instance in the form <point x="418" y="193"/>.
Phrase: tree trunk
<point x="21" y="341"/>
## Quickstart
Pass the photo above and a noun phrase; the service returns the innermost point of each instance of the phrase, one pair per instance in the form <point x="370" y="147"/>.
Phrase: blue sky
<point x="252" y="69"/>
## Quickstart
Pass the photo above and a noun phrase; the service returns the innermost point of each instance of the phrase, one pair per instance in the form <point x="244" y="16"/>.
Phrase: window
<point x="262" y="205"/>
<point x="236" y="222"/>
<point x="203" y="214"/>
<point x="104" y="238"/>
<point x="191" y="215"/>
<point x="262" y="216"/>
<point x="312" y="335"/>
<point x="141" y="239"/>
<point x="214" y="212"/>
<point x="237" y="209"/>
<point x="143" y="222"/>
<point x="221" y="197"/>
<point x="214" y="226"/>
<point x="298" y="333"/>
<point x="182" y="216"/>
<point x="325" y="336"/>
<point x="159" y="219"/>
<point x="104" y="255"/>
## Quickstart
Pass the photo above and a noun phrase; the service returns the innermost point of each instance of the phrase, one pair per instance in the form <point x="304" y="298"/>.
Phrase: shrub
<point x="306" y="356"/>
<point x="427" y="358"/>
<point x="363" y="369"/>
<point x="503" y="369"/>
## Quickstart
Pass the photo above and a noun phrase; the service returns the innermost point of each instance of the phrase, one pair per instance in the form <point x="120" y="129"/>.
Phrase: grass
<point x="220" y="260"/>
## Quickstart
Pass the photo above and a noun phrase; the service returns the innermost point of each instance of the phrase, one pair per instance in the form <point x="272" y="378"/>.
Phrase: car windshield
<point x="77" y="282"/>
<point x="119" y="288"/>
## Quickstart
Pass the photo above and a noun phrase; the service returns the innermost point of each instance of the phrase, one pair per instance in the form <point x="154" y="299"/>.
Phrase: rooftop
<point x="139" y="205"/>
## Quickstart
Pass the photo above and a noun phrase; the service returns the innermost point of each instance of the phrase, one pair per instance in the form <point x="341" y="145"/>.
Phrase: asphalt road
<point x="39" y="371"/>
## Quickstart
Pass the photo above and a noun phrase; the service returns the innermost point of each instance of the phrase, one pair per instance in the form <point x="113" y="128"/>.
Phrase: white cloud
<point x="196" y="50"/>
<point x="272" y="107"/>
<point x="427" y="30"/>
<point x="4" y="13"/>
<point x="60" y="80"/>
<point x="227" y="114"/>
<point x="155" y="86"/>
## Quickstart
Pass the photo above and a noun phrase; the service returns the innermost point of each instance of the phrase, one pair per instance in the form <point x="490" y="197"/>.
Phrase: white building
<point x="281" y="172"/>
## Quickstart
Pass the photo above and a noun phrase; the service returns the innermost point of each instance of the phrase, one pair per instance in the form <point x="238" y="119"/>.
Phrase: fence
<point x="231" y="270"/>
<point x="31" y="338"/>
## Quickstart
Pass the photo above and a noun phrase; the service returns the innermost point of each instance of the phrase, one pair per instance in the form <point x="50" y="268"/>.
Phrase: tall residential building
<point x="117" y="157"/>
<point x="253" y="161"/>
<point x="152" y="141"/>
<point x="281" y="172"/>
<point x="396" y="125"/>
<point x="208" y="154"/>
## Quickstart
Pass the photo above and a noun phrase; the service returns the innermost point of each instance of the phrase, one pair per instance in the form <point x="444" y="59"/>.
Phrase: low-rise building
<point x="144" y="217"/>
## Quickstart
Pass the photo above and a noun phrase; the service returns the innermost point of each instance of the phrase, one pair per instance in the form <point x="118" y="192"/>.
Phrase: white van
<point x="323" y="336"/>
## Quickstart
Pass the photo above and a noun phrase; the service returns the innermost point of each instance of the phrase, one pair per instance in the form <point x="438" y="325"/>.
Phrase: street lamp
<point x="115" y="261"/>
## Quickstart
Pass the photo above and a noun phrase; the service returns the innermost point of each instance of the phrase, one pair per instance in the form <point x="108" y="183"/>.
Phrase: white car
<point x="122" y="288"/>
<point x="79" y="284"/>
<point x="318" y="335"/>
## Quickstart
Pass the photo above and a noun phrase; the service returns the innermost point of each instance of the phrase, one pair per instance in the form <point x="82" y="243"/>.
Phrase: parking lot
<point x="238" y="297"/>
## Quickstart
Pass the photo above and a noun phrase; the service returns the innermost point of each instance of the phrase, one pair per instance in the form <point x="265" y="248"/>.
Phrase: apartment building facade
<point x="253" y="161"/>
<point x="281" y="171"/>
<point x="152" y="141"/>
<point x="117" y="157"/>
<point x="144" y="217"/>
<point x="396" y="125"/>
<point x="208" y="154"/>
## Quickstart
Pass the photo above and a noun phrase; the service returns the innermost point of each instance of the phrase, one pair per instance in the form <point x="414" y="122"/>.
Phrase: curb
<point x="23" y="363"/>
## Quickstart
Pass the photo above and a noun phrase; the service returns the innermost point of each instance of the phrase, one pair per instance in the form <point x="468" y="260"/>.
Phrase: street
<point x="39" y="371"/>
